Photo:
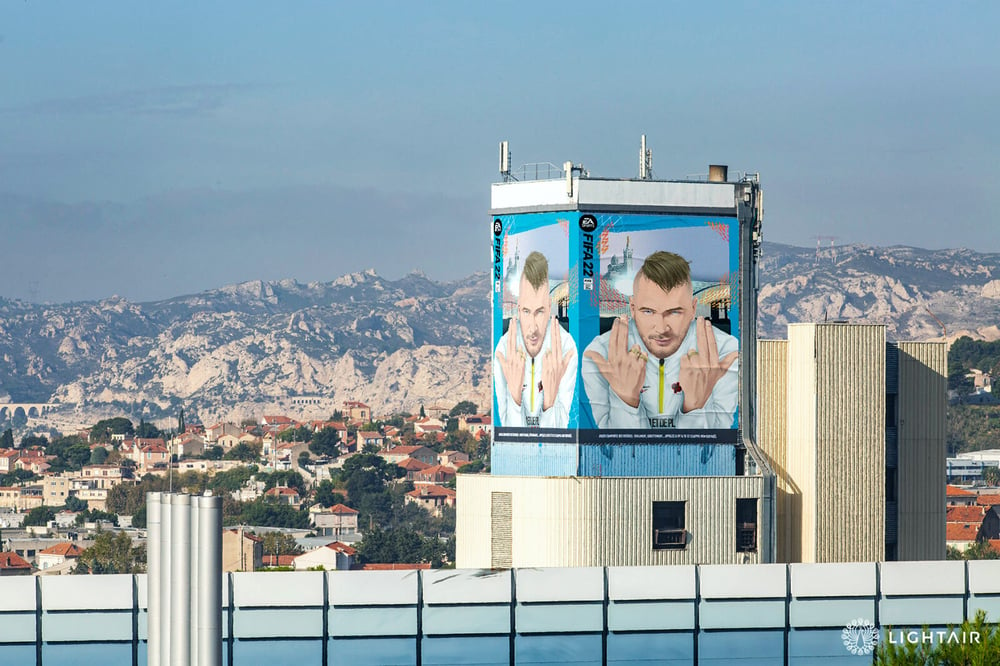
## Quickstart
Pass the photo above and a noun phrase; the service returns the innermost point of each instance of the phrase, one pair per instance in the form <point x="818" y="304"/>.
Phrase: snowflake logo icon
<point x="860" y="636"/>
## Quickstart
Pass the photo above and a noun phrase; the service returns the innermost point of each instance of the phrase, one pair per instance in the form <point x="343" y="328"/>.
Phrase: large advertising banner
<point x="658" y="328"/>
<point x="535" y="359"/>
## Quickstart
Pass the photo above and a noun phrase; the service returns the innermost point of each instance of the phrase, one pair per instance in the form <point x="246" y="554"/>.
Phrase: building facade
<point x="854" y="427"/>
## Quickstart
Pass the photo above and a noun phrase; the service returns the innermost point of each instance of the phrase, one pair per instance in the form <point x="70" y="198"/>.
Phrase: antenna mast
<point x="645" y="160"/>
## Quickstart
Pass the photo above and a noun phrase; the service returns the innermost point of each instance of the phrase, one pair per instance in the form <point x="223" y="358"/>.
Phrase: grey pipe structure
<point x="184" y="580"/>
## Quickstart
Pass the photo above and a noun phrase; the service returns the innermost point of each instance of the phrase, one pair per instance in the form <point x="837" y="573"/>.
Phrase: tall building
<point x="582" y="476"/>
<point x="854" y="428"/>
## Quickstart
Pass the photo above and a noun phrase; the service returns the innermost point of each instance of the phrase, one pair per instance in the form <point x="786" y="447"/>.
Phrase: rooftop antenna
<point x="645" y="160"/>
<point x="505" y="162"/>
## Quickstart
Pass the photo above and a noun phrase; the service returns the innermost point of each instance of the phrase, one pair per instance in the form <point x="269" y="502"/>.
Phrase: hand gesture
<point x="701" y="369"/>
<point x="512" y="364"/>
<point x="554" y="365"/>
<point x="624" y="368"/>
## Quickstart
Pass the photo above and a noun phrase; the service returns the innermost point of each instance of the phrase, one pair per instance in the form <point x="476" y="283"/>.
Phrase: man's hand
<point x="701" y="369"/>
<point x="624" y="368"/>
<point x="512" y="364"/>
<point x="554" y="365"/>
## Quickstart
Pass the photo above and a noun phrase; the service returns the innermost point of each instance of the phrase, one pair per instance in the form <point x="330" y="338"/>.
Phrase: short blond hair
<point x="536" y="270"/>
<point x="666" y="269"/>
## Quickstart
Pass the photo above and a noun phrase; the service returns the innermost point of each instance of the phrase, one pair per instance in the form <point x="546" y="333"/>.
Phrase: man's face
<point x="533" y="314"/>
<point x="661" y="317"/>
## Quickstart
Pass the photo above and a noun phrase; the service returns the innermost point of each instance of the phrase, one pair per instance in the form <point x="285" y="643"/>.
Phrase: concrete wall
<point x="596" y="521"/>
<point x="923" y="396"/>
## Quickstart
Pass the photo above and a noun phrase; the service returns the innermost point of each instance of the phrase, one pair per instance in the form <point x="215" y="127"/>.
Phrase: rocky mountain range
<point x="303" y="349"/>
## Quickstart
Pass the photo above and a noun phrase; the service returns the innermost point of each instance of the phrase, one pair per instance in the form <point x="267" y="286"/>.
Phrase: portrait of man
<point x="535" y="361"/>
<point x="660" y="366"/>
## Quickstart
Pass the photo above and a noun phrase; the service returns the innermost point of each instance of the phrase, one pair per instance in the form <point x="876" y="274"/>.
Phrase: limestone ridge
<point x="254" y="347"/>
<point x="895" y="286"/>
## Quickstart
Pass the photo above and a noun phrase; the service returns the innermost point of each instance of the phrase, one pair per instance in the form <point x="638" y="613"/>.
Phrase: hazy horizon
<point x="159" y="150"/>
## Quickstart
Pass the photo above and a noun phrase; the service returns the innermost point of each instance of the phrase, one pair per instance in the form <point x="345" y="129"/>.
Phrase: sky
<point x="151" y="150"/>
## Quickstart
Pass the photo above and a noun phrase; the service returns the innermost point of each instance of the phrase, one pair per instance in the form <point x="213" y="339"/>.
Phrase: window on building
<point x="668" y="526"/>
<point x="746" y="525"/>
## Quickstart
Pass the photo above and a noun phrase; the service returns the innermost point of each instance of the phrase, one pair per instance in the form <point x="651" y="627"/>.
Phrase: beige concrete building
<point x="523" y="521"/>
<point x="241" y="551"/>
<point x="853" y="427"/>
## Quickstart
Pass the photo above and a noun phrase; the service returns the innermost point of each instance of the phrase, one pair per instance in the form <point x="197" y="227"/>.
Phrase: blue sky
<point x="157" y="149"/>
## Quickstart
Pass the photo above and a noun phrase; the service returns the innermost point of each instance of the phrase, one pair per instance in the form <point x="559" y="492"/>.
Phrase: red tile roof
<point x="961" y="531"/>
<point x="13" y="561"/>
<point x="342" y="508"/>
<point x="988" y="500"/>
<point x="412" y="465"/>
<point x="341" y="548"/>
<point x="282" y="490"/>
<point x="965" y="514"/>
<point x="955" y="491"/>
<point x="432" y="491"/>
<point x="65" y="549"/>
<point x="282" y="561"/>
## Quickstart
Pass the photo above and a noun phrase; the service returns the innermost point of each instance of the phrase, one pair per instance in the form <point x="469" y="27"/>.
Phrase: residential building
<point x="357" y="411"/>
<point x="400" y="453"/>
<point x="432" y="497"/>
<point x="955" y="496"/>
<point x="452" y="459"/>
<point x="8" y="457"/>
<point x="12" y="564"/>
<point x="477" y="424"/>
<point x="334" y="556"/>
<point x="214" y="432"/>
<point x="336" y="520"/>
<point x="55" y="489"/>
<point x="284" y="495"/>
<point x="59" y="554"/>
<point x="370" y="438"/>
<point x="411" y="466"/>
<point x="436" y="474"/>
<point x="103" y="476"/>
<point x="241" y="551"/>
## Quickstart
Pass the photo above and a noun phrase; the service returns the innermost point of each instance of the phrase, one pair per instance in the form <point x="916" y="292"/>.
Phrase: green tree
<point x="277" y="543"/>
<point x="304" y="459"/>
<point x="29" y="441"/>
<point x="272" y="514"/>
<point x="326" y="495"/>
<point x="39" y="516"/>
<point x="463" y="407"/>
<point x="324" y="443"/>
<point x="113" y="554"/>
<point x="74" y="503"/>
<point x="103" y="429"/>
<point x="148" y="431"/>
<point x="7" y="440"/>
<point x="300" y="434"/>
<point x="991" y="476"/>
<point x="289" y="478"/>
<point x="985" y="650"/>
<point x="244" y="451"/>
<point x="98" y="455"/>
<point x="422" y="414"/>
<point x="181" y="425"/>
<point x="94" y="515"/>
<point x="230" y="480"/>
<point x="212" y="453"/>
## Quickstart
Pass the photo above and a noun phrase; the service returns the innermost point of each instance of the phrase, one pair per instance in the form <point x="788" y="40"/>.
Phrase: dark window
<point x="668" y="526"/>
<point x="746" y="525"/>
<point x="890" y="410"/>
